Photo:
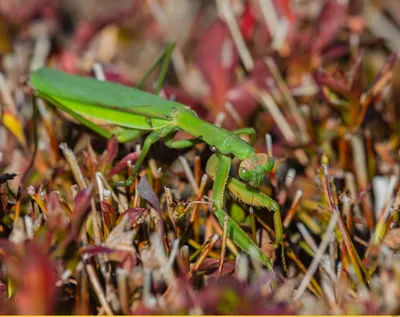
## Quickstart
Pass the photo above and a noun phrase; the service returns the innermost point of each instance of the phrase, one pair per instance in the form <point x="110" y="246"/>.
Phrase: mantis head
<point x="254" y="168"/>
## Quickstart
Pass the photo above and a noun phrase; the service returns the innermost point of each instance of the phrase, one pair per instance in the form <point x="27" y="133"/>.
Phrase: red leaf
<point x="17" y="12"/>
<point x="36" y="294"/>
<point x="241" y="99"/>
<point x="329" y="22"/>
<point x="81" y="203"/>
<point x="117" y="77"/>
<point x="335" y="52"/>
<point x="325" y="79"/>
<point x="260" y="74"/>
<point x="210" y="267"/>
<point x="68" y="62"/>
<point x="355" y="81"/>
<point x="217" y="58"/>
<point x="57" y="219"/>
<point x="148" y="194"/>
<point x="3" y="291"/>
<point x="247" y="23"/>
<point x="125" y="258"/>
<point x="244" y="103"/>
<point x="95" y="250"/>
<point x="112" y="149"/>
<point x="110" y="153"/>
<point x="284" y="10"/>
<point x="387" y="67"/>
<point x="9" y="248"/>
<point x="109" y="214"/>
<point x="87" y="30"/>
<point x="121" y="165"/>
<point x="134" y="214"/>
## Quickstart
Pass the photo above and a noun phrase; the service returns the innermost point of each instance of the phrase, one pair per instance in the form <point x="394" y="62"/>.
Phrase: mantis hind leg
<point x="234" y="232"/>
<point x="165" y="59"/>
<point x="35" y="138"/>
<point x="125" y="135"/>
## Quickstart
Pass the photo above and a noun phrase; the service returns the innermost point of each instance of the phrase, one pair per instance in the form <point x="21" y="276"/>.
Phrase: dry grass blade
<point x="227" y="13"/>
<point x="318" y="256"/>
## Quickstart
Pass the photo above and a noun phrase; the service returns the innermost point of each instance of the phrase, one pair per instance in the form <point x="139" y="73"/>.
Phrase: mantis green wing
<point x="43" y="81"/>
<point x="104" y="101"/>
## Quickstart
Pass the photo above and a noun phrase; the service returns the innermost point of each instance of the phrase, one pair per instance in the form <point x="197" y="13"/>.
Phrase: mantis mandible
<point x="128" y="113"/>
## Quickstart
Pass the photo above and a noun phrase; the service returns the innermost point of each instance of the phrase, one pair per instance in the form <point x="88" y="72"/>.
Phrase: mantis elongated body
<point x="128" y="113"/>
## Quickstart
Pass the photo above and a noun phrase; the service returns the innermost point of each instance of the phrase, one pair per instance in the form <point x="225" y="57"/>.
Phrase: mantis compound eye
<point x="245" y="174"/>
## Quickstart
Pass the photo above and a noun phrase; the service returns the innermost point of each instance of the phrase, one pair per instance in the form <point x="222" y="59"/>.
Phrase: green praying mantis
<point x="129" y="113"/>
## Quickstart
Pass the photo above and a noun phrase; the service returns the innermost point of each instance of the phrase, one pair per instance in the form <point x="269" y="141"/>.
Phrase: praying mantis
<point x="129" y="113"/>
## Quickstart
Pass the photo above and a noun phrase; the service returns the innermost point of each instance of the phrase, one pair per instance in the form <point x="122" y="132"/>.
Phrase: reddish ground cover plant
<point x="316" y="79"/>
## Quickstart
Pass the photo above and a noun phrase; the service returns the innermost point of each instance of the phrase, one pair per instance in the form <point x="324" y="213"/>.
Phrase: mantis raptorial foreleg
<point x="223" y="167"/>
<point x="234" y="232"/>
<point x="245" y="194"/>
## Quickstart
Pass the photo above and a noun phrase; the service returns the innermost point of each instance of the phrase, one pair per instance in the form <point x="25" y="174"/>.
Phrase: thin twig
<point x="177" y="55"/>
<point x="289" y="98"/>
<point x="318" y="256"/>
<point x="293" y="208"/>
<point x="204" y="254"/>
<point x="189" y="174"/>
<point x="114" y="195"/>
<point x="97" y="289"/>
<point x="234" y="114"/>
<point x="73" y="163"/>
<point x="228" y="15"/>
<point x="223" y="247"/>
<point x="242" y="267"/>
<point x="381" y="26"/>
<point x="123" y="290"/>
<point x="270" y="16"/>
<point x="99" y="71"/>
<point x="268" y="144"/>
<point x="360" y="166"/>
<point x="269" y="104"/>
<point x="307" y="236"/>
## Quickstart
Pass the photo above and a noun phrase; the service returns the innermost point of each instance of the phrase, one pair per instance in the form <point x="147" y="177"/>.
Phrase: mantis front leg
<point x="235" y="233"/>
